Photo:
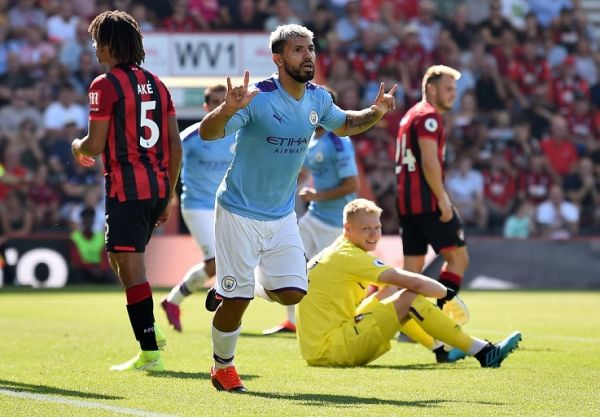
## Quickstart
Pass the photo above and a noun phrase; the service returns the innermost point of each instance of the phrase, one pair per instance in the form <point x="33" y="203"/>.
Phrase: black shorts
<point x="422" y="229"/>
<point x="129" y="224"/>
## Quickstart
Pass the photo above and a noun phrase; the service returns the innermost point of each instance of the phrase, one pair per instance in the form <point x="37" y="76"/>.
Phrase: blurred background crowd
<point x="523" y="141"/>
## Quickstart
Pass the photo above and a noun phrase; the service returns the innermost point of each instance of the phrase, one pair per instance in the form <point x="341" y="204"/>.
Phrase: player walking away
<point x="255" y="223"/>
<point x="203" y="168"/>
<point x="133" y="125"/>
<point x="332" y="331"/>
<point x="330" y="161"/>
<point x="426" y="213"/>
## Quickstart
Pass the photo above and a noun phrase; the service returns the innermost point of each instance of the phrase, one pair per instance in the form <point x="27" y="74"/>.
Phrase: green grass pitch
<point x="57" y="347"/>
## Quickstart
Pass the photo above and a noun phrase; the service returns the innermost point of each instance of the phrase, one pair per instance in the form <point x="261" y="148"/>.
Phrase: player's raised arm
<point x="359" y="121"/>
<point x="213" y="125"/>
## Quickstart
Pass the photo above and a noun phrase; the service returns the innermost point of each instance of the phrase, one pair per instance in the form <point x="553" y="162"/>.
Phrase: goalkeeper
<point x="348" y="330"/>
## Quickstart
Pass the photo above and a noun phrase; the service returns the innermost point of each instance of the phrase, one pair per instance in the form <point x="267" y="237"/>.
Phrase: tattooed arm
<point x="359" y="121"/>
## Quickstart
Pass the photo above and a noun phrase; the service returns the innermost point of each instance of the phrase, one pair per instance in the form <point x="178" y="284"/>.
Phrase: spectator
<point x="526" y="72"/>
<point x="556" y="217"/>
<point x="349" y="26"/>
<point x="499" y="192"/>
<point x="461" y="30"/>
<point x="566" y="30"/>
<point x="534" y="182"/>
<point x="584" y="126"/>
<point x="565" y="85"/>
<point x="520" y="225"/>
<point x="491" y="28"/>
<point x="71" y="49"/>
<point x="582" y="188"/>
<point x="27" y="142"/>
<point x="181" y="21"/>
<point x="93" y="199"/>
<point x="83" y="76"/>
<point x="283" y="15"/>
<point x="248" y="17"/>
<point x="465" y="189"/>
<point x="63" y="111"/>
<point x="44" y="201"/>
<point x="19" y="109"/>
<point x="89" y="262"/>
<point x="321" y="24"/>
<point x="25" y="14"/>
<point x="559" y="148"/>
<point x="15" y="175"/>
<point x="140" y="13"/>
<point x="63" y="25"/>
<point x="490" y="90"/>
<point x="427" y="25"/>
<point x="548" y="11"/>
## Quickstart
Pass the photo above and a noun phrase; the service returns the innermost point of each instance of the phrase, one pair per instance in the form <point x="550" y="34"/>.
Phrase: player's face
<point x="102" y="53"/>
<point x="446" y="93"/>
<point x="299" y="59"/>
<point x="215" y="99"/>
<point x="364" y="230"/>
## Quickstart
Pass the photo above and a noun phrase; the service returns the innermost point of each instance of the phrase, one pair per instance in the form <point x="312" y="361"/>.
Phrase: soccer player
<point x="330" y="161"/>
<point x="132" y="123"/>
<point x="426" y="213"/>
<point x="255" y="223"/>
<point x="332" y="331"/>
<point x="203" y="168"/>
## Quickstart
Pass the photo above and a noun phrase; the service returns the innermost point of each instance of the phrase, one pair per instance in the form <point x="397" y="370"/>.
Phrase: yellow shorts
<point x="362" y="340"/>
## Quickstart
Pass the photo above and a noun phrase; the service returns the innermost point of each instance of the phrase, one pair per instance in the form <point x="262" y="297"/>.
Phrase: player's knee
<point x="290" y="297"/>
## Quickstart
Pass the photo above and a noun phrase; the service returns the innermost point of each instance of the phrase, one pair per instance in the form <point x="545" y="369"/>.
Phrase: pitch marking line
<point x="84" y="404"/>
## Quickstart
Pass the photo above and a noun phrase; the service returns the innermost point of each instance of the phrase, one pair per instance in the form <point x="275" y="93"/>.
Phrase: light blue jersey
<point x="204" y="165"/>
<point x="330" y="159"/>
<point x="273" y="133"/>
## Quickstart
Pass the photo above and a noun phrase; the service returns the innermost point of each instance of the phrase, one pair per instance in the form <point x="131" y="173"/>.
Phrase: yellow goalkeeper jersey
<point x="337" y="282"/>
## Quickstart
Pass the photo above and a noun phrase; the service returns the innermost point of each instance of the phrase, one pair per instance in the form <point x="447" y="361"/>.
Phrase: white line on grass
<point x="84" y="404"/>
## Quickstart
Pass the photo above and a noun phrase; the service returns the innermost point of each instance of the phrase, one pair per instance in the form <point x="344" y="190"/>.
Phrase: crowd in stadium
<point x="523" y="141"/>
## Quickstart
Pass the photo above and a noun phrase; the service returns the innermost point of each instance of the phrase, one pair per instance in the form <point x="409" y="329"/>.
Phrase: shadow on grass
<point x="267" y="336"/>
<point x="44" y="389"/>
<point x="418" y="367"/>
<point x="320" y="400"/>
<point x="190" y="375"/>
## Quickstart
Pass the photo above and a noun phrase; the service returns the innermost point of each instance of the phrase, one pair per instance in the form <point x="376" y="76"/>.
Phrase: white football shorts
<point x="316" y="235"/>
<point x="273" y="247"/>
<point x="201" y="224"/>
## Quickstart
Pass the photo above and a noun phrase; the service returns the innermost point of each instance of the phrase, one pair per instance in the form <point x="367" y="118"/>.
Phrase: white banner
<point x="208" y="55"/>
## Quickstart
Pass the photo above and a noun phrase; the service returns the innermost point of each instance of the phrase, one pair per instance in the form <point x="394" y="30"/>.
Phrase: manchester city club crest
<point x="228" y="283"/>
<point x="319" y="157"/>
<point x="313" y="117"/>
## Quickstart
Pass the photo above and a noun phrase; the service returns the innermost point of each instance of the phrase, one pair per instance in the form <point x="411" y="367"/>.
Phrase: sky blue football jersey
<point x="204" y="165"/>
<point x="330" y="159"/>
<point x="272" y="136"/>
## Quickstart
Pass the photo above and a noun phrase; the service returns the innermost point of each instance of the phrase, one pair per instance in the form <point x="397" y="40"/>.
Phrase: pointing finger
<point x="229" y="86"/>
<point x="246" y="79"/>
<point x="393" y="90"/>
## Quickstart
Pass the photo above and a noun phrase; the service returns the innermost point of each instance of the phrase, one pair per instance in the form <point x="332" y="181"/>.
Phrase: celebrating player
<point x="255" y="223"/>
<point x="133" y="125"/>
<point x="331" y="164"/>
<point x="203" y="168"/>
<point x="332" y="331"/>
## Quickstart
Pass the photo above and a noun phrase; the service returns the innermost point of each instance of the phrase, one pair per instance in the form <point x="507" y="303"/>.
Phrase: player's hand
<point x="308" y="194"/>
<point x="385" y="102"/>
<point x="445" y="207"/>
<point x="450" y="294"/>
<point x="238" y="97"/>
<point x="86" y="161"/>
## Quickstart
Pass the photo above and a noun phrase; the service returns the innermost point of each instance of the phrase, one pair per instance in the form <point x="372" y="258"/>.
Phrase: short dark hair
<point x="216" y="89"/>
<point x="121" y="33"/>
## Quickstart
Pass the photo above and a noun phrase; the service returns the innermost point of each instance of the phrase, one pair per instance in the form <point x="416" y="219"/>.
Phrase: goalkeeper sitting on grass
<point x="343" y="331"/>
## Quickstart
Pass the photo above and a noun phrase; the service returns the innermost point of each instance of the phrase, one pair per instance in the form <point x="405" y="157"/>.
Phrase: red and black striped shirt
<point x="136" y="156"/>
<point x="421" y="122"/>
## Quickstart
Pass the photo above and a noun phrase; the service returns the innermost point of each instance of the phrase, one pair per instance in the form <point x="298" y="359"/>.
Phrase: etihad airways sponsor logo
<point x="288" y="145"/>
